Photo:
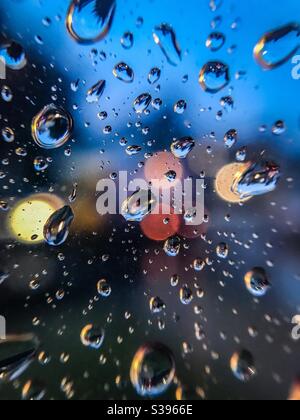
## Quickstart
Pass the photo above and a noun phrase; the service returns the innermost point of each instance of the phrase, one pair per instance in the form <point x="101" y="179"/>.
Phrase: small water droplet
<point x="156" y="305"/>
<point x="95" y="92"/>
<point x="181" y="148"/>
<point x="103" y="288"/>
<point x="141" y="103"/>
<point x="123" y="72"/>
<point x="13" y="55"/>
<point x="215" y="41"/>
<point x="172" y="246"/>
<point x="127" y="40"/>
<point x="52" y="127"/>
<point x="230" y="138"/>
<point x="92" y="336"/>
<point x="89" y="21"/>
<point x="257" y="282"/>
<point x="138" y="206"/>
<point x="180" y="107"/>
<point x="242" y="365"/>
<point x="165" y="37"/>
<point x="56" y="229"/>
<point x="278" y="46"/>
<point x="214" y="76"/>
<point x="154" y="75"/>
<point x="257" y="179"/>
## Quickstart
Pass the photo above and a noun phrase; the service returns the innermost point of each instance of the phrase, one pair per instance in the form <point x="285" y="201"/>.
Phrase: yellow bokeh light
<point x="225" y="179"/>
<point x="28" y="217"/>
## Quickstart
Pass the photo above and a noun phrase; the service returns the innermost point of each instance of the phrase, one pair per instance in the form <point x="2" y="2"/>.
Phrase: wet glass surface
<point x="138" y="305"/>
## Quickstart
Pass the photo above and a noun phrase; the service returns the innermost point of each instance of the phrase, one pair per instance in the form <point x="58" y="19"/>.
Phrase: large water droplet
<point x="89" y="21"/>
<point x="165" y="37"/>
<point x="278" y="46"/>
<point x="16" y="355"/>
<point x="152" y="370"/>
<point x="242" y="365"/>
<point x="257" y="282"/>
<point x="52" y="127"/>
<point x="56" y="229"/>
<point x="142" y="103"/>
<point x="95" y="92"/>
<point x="138" y="206"/>
<point x="214" y="76"/>
<point x="123" y="72"/>
<point x="181" y="148"/>
<point x="13" y="55"/>
<point x="259" y="178"/>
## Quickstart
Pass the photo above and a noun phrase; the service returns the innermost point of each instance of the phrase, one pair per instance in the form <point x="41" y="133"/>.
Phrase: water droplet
<point x="142" y="103"/>
<point x="257" y="282"/>
<point x="8" y="134"/>
<point x="133" y="150"/>
<point x="156" y="305"/>
<point x="92" y="336"/>
<point x="33" y="390"/>
<point x="156" y="104"/>
<point x="56" y="229"/>
<point x="172" y="246"/>
<point x="152" y="370"/>
<point x="241" y="154"/>
<point x="199" y="264"/>
<point x="181" y="148"/>
<point x="230" y="138"/>
<point x="279" y="128"/>
<point x="138" y="206"/>
<point x="222" y="250"/>
<point x="180" y="106"/>
<point x="6" y="94"/>
<point x="214" y="76"/>
<point x="171" y="176"/>
<point x="13" y="55"/>
<point x="40" y="164"/>
<point x="154" y="75"/>
<point x="278" y="46"/>
<point x="227" y="102"/>
<point x="127" y="40"/>
<point x="215" y="41"/>
<point x="242" y="365"/>
<point x="257" y="179"/>
<point x="215" y="4"/>
<point x="52" y="127"/>
<point x="123" y="72"/>
<point x="186" y="295"/>
<point x="165" y="37"/>
<point x="89" y="21"/>
<point x="103" y="288"/>
<point x="95" y="92"/>
<point x="16" y="355"/>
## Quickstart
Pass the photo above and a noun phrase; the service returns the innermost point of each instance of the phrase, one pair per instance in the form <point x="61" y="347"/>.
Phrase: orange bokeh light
<point x="157" y="166"/>
<point x="155" y="228"/>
